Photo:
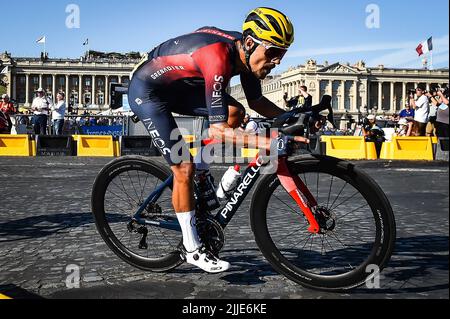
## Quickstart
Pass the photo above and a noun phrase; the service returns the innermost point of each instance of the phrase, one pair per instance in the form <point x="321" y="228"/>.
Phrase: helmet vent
<point x="277" y="39"/>
<point x="275" y="24"/>
<point x="254" y="17"/>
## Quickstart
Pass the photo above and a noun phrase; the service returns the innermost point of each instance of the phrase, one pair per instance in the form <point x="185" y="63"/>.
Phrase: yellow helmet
<point x="269" y="25"/>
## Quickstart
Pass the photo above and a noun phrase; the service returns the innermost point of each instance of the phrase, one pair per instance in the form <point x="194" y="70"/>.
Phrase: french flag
<point x="425" y="47"/>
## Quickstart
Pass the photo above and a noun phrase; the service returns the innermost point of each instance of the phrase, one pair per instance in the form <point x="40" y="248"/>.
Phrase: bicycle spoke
<point x="352" y="211"/>
<point x="120" y="210"/>
<point x="290" y="234"/>
<point x="140" y="186"/>
<point x="143" y="189"/>
<point x="123" y="191"/>
<point x="287" y="205"/>
<point x="332" y="208"/>
<point x="309" y="237"/>
<point x="303" y="238"/>
<point x="337" y="238"/>
<point x="317" y="195"/>
<point x="339" y="194"/>
<point x="132" y="184"/>
<point x="329" y="193"/>
<point x="122" y="199"/>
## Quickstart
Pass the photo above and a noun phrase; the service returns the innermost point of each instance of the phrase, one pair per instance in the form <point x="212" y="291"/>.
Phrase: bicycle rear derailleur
<point x="134" y="227"/>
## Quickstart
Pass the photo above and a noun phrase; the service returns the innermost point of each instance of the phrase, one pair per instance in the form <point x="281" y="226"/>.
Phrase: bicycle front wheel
<point x="358" y="225"/>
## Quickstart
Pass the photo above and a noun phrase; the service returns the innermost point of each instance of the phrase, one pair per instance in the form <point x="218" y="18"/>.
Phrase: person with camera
<point x="432" y="98"/>
<point x="421" y="107"/>
<point x="40" y="107"/>
<point x="304" y="99"/>
<point x="439" y="99"/>
<point x="372" y="132"/>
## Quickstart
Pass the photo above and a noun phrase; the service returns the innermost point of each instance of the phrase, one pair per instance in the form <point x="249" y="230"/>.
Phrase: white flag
<point x="41" y="40"/>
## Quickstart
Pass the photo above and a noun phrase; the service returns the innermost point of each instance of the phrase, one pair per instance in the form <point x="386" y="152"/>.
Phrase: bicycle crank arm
<point x="299" y="192"/>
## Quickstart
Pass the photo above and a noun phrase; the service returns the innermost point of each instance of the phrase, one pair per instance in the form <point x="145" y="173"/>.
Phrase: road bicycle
<point x="319" y="221"/>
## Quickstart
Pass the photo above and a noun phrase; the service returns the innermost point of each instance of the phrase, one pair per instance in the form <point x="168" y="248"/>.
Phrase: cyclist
<point x="189" y="75"/>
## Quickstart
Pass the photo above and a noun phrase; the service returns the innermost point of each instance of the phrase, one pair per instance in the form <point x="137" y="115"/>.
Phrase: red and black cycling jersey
<point x="205" y="58"/>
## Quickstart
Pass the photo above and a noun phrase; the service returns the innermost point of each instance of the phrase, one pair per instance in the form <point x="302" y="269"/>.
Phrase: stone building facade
<point x="85" y="82"/>
<point x="354" y="88"/>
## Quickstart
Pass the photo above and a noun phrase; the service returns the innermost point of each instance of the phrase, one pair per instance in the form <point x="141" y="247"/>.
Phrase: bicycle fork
<point x="299" y="192"/>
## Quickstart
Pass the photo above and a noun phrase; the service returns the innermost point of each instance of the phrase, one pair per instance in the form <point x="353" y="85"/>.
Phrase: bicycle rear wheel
<point x="358" y="222"/>
<point x="119" y="190"/>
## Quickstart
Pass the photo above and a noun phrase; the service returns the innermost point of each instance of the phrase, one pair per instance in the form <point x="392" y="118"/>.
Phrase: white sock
<point x="200" y="163"/>
<point x="191" y="240"/>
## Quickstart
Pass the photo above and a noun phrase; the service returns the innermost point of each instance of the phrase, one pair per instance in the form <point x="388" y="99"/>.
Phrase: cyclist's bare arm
<point x="223" y="132"/>
<point x="265" y="107"/>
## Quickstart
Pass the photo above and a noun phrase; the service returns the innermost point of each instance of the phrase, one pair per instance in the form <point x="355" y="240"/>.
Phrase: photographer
<point x="442" y="118"/>
<point x="431" y="126"/>
<point x="373" y="133"/>
<point x="422" y="110"/>
<point x="40" y="107"/>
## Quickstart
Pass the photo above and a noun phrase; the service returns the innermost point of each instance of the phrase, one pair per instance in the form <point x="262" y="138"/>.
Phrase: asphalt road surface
<point x="47" y="233"/>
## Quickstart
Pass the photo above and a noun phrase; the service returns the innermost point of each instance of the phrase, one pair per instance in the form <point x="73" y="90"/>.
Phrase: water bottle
<point x="229" y="182"/>
<point x="206" y="190"/>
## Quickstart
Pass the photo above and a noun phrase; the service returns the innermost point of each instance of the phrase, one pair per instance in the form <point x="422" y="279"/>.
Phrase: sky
<point x="326" y="30"/>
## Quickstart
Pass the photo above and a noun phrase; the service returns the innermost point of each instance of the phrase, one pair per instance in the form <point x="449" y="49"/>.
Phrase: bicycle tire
<point x="107" y="174"/>
<point x="379" y="204"/>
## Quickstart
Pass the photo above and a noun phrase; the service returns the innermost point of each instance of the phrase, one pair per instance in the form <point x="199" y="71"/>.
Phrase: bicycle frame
<point x="291" y="183"/>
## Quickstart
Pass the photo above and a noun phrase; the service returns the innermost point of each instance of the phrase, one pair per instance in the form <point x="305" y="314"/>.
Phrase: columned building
<point x="354" y="88"/>
<point x="85" y="82"/>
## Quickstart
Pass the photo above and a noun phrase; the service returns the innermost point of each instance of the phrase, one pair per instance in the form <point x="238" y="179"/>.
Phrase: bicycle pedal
<point x="182" y="251"/>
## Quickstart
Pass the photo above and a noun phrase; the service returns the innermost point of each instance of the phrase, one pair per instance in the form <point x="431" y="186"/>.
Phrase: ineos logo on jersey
<point x="156" y="137"/>
<point x="217" y="91"/>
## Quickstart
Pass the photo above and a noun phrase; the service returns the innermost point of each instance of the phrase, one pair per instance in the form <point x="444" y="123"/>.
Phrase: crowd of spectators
<point x="426" y="113"/>
<point x="48" y="117"/>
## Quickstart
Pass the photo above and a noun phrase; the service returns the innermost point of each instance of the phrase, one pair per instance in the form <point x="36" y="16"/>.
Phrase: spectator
<point x="59" y="111"/>
<point x="249" y="125"/>
<point x="404" y="128"/>
<point x="421" y="106"/>
<point x="431" y="129"/>
<point x="373" y="133"/>
<point x="442" y="121"/>
<point x="303" y="100"/>
<point x="40" y="107"/>
<point x="5" y="124"/>
<point x="407" y="112"/>
<point x="7" y="109"/>
<point x="6" y="106"/>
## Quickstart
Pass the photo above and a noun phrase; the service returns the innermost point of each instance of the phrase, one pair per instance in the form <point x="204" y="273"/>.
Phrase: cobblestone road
<point x="46" y="225"/>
